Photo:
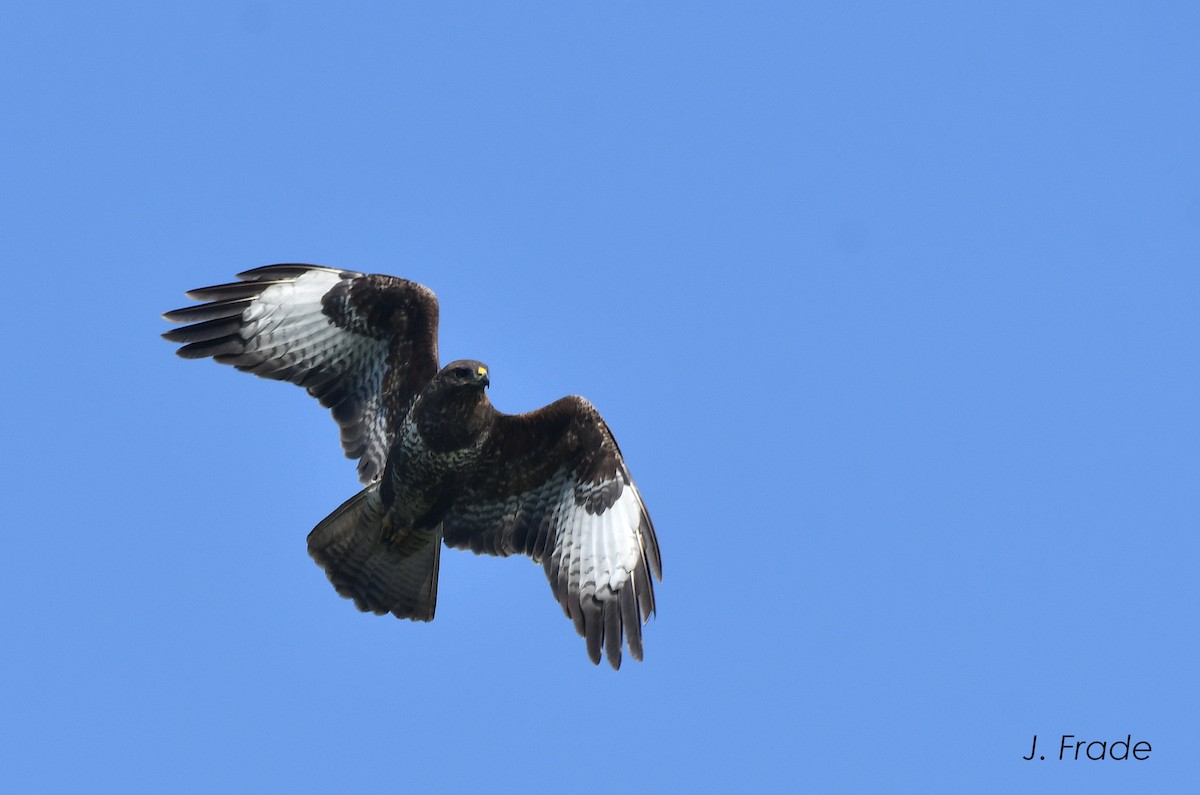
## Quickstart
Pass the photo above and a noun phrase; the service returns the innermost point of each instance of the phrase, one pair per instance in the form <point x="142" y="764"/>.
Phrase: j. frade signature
<point x="1071" y="749"/>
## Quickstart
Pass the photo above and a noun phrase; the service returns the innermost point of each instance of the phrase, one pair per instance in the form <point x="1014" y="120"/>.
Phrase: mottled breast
<point x="420" y="482"/>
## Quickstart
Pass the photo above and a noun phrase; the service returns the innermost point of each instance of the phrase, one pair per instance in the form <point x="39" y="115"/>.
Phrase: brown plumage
<point x="437" y="458"/>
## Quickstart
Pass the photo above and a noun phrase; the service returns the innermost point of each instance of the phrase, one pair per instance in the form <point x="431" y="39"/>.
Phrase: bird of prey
<point x="440" y="463"/>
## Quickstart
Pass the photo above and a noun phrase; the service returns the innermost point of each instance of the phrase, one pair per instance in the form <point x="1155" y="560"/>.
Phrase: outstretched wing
<point x="363" y="345"/>
<point x="553" y="486"/>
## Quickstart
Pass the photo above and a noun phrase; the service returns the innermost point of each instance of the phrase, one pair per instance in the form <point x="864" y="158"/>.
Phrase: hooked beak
<point x="482" y="376"/>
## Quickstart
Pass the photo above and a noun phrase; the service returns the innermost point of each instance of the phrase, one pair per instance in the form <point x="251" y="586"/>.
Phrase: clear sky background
<point x="893" y="308"/>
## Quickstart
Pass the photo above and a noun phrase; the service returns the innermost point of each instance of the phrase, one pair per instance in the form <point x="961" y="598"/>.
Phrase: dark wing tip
<point x="287" y="270"/>
<point x="612" y="633"/>
<point x="205" y="330"/>
<point x="215" y="310"/>
<point x="593" y="625"/>
<point x="631" y="622"/>
<point x="650" y="545"/>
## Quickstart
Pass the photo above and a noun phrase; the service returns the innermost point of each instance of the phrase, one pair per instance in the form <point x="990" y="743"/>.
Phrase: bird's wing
<point x="363" y="345"/>
<point x="553" y="485"/>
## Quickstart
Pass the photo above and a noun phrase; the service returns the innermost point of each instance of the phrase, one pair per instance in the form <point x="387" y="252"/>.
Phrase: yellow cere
<point x="482" y="371"/>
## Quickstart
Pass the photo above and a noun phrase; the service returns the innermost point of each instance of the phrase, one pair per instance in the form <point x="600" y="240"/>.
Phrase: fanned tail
<point x="383" y="570"/>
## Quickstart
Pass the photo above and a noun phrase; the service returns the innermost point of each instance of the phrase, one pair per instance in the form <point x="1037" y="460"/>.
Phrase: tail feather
<point x="381" y="570"/>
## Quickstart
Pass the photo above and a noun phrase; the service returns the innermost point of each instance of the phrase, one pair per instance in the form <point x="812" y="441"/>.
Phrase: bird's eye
<point x="462" y="372"/>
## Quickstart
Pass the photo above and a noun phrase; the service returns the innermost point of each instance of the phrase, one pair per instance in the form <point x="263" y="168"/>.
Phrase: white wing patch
<point x="604" y="546"/>
<point x="274" y="324"/>
<point x="592" y="569"/>
<point x="287" y="324"/>
<point x="599" y="563"/>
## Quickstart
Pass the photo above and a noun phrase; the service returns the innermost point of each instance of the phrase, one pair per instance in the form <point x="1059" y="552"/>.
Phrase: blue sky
<point x="892" y="307"/>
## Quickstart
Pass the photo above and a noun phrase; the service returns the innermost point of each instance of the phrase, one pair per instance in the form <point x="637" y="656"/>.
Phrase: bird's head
<point x="453" y="410"/>
<point x="465" y="374"/>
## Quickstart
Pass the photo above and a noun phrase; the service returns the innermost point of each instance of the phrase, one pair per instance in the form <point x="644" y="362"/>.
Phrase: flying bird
<point x="439" y="462"/>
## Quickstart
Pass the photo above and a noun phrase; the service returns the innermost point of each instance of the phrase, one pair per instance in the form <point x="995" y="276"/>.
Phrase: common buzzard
<point x="438" y="460"/>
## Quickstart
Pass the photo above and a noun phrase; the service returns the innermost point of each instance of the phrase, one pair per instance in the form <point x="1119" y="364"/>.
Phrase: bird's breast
<point x="421" y="481"/>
